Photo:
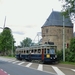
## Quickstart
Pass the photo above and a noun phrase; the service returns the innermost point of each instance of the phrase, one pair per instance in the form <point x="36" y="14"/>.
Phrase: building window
<point x="46" y="30"/>
<point x="68" y="31"/>
<point x="43" y="35"/>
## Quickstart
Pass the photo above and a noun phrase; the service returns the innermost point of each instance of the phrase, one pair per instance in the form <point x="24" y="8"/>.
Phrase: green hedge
<point x="69" y="55"/>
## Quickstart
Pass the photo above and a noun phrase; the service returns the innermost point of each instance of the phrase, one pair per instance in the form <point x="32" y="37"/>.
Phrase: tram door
<point x="42" y="54"/>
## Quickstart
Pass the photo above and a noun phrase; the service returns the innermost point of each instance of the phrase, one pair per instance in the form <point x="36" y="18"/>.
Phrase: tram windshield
<point x="51" y="51"/>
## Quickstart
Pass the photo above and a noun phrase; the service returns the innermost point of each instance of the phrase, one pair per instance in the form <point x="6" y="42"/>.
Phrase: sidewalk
<point x="66" y="65"/>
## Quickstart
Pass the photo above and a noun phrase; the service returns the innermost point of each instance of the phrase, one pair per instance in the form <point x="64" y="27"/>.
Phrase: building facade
<point x="52" y="30"/>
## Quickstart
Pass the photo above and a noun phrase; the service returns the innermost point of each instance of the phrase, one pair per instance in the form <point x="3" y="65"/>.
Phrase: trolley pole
<point x="63" y="40"/>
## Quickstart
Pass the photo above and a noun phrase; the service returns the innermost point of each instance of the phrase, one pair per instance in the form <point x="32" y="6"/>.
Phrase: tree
<point x="6" y="38"/>
<point x="26" y="42"/>
<point x="72" y="50"/>
<point x="69" y="9"/>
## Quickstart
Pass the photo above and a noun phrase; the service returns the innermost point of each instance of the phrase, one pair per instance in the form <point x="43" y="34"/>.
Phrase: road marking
<point x="2" y="72"/>
<point x="21" y="63"/>
<point x="16" y="62"/>
<point x="73" y="70"/>
<point x="5" y="72"/>
<point x="58" y="71"/>
<point x="40" y="67"/>
<point x="28" y="65"/>
<point x="1" y="69"/>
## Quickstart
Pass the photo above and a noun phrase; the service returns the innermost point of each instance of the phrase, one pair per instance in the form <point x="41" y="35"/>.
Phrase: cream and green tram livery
<point x="44" y="53"/>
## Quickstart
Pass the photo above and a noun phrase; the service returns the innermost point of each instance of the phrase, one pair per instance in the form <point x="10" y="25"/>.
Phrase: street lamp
<point x="13" y="47"/>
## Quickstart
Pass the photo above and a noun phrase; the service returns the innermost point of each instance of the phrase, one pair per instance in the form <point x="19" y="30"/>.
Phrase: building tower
<point x="52" y="30"/>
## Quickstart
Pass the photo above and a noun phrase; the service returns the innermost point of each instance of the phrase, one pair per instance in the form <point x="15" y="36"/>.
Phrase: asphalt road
<point x="13" y="69"/>
<point x="16" y="67"/>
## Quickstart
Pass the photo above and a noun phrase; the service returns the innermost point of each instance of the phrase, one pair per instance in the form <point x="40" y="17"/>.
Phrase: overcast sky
<point x="26" y="17"/>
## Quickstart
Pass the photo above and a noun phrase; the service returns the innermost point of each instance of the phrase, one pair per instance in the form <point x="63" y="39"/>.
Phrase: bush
<point x="69" y="56"/>
<point x="59" y="55"/>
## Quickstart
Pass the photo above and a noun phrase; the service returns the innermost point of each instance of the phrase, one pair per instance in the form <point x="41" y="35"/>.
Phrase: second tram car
<point x="44" y="53"/>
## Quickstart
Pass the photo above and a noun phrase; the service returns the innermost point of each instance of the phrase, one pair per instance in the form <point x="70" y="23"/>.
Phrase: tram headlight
<point x="55" y="56"/>
<point x="48" y="56"/>
<point x="51" y="57"/>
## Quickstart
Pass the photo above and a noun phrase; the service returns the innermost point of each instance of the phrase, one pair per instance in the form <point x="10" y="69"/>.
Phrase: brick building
<point x="52" y="30"/>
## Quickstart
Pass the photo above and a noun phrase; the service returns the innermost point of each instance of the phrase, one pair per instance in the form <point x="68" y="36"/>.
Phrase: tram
<point x="44" y="53"/>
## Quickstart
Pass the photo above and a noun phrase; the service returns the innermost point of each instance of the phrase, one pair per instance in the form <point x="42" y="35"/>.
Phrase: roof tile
<point x="56" y="19"/>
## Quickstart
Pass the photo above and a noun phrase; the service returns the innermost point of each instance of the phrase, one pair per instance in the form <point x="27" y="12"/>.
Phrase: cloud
<point x="19" y="33"/>
<point x="29" y="26"/>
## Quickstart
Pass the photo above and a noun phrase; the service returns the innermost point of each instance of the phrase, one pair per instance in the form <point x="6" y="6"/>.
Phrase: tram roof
<point x="36" y="46"/>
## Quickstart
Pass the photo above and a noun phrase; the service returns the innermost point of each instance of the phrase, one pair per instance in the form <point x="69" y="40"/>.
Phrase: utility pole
<point x="63" y="40"/>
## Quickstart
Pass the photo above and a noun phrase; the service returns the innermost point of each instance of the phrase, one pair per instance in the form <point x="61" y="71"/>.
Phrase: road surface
<point x="15" y="67"/>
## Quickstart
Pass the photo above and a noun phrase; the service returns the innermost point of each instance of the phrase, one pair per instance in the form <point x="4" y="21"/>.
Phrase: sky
<point x="26" y="17"/>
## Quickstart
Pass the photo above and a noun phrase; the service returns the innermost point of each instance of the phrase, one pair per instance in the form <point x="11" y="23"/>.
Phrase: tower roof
<point x="56" y="19"/>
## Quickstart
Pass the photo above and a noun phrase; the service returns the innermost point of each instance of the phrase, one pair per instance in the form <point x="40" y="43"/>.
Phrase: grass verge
<point x="66" y="62"/>
<point x="8" y="56"/>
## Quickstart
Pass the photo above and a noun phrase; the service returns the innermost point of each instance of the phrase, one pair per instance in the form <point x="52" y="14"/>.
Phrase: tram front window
<point x="50" y="51"/>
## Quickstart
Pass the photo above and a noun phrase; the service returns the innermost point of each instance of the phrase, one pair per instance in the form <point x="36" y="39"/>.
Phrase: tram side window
<point x="19" y="52"/>
<point x="31" y="51"/>
<point x="35" y="51"/>
<point x="45" y="51"/>
<point x="39" y="50"/>
<point x="48" y="51"/>
<point x="27" y="51"/>
<point x="24" y="51"/>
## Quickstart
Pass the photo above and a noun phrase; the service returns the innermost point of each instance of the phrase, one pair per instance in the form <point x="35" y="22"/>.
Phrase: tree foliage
<point x="69" y="52"/>
<point x="26" y="42"/>
<point x="59" y="55"/>
<point x="72" y="50"/>
<point x="69" y="9"/>
<point x="6" y="40"/>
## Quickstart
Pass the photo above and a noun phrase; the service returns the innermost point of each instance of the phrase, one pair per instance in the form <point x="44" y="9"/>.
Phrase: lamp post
<point x="12" y="47"/>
